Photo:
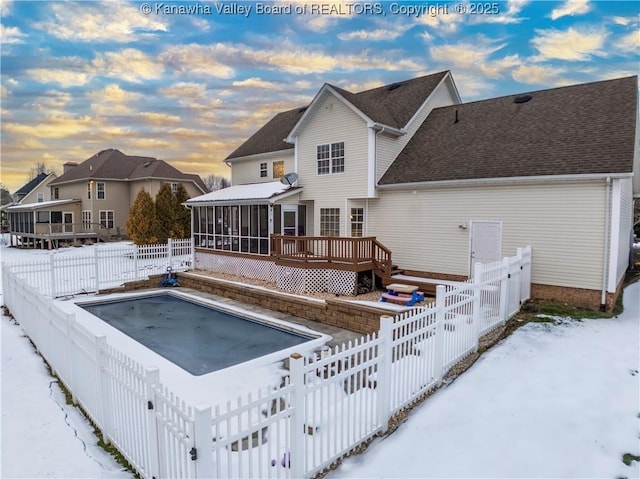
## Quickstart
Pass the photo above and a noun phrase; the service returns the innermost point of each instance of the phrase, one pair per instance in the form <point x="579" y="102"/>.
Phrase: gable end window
<point x="263" y="170"/>
<point x="330" y="158"/>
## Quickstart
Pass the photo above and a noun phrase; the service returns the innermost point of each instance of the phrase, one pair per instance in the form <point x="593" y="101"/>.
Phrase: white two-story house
<point x="408" y="174"/>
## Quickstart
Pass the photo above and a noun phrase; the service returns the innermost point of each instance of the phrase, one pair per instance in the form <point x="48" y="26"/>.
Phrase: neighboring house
<point x="91" y="200"/>
<point x="35" y="191"/>
<point x="408" y="172"/>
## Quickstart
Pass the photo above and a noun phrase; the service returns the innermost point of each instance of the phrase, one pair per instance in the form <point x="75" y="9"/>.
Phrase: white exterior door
<point x="486" y="242"/>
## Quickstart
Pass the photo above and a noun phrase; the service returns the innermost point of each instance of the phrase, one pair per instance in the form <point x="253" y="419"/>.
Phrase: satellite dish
<point x="289" y="179"/>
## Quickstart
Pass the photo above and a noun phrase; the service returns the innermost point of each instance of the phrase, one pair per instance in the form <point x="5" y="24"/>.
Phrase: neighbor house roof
<point x="31" y="185"/>
<point x="250" y="193"/>
<point x="573" y="130"/>
<point x="112" y="164"/>
<point x="42" y="205"/>
<point x="392" y="105"/>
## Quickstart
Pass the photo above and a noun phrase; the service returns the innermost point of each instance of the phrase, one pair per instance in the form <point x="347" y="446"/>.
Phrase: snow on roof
<point x="255" y="192"/>
<point x="42" y="204"/>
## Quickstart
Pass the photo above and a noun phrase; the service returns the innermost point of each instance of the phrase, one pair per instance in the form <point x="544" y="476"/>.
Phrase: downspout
<point x="607" y="239"/>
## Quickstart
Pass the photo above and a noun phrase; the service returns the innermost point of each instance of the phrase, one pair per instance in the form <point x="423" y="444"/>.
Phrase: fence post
<point x="504" y="290"/>
<point x="69" y="319"/>
<point x="383" y="378"/>
<point x="192" y="253"/>
<point x="97" y="268"/>
<point x="104" y="388"/>
<point x="170" y="251"/>
<point x="152" y="381"/>
<point x="477" y="303"/>
<point x="297" y="433"/>
<point x="52" y="267"/>
<point x="439" y="345"/>
<point x="203" y="441"/>
<point x="135" y="262"/>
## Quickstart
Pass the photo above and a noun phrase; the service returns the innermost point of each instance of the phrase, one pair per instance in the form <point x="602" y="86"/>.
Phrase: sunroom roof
<point x="252" y="193"/>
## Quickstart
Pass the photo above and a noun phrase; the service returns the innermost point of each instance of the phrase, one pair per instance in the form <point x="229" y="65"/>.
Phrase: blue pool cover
<point x="197" y="338"/>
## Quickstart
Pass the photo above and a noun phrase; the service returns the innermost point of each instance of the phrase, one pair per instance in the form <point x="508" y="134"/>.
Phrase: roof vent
<point x="522" y="99"/>
<point x="393" y="86"/>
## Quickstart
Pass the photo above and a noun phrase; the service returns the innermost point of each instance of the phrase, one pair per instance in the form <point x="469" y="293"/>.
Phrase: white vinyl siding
<point x="564" y="223"/>
<point x="388" y="147"/>
<point x="333" y="122"/>
<point x="621" y="229"/>
<point x="249" y="171"/>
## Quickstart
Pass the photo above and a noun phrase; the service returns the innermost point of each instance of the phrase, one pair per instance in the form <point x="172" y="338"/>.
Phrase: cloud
<point x="53" y="100"/>
<point x="571" y="45"/>
<point x="571" y="8"/>
<point x="184" y="90"/>
<point x="11" y="35"/>
<point x="129" y="64"/>
<point x="539" y="75"/>
<point x="159" y="119"/>
<point x="444" y="24"/>
<point x="63" y="77"/>
<point x="113" y="93"/>
<point x="630" y="42"/>
<point x="475" y="57"/>
<point x="53" y="127"/>
<point x="194" y="59"/>
<point x="384" y="33"/>
<point x="100" y="22"/>
<point x="511" y="15"/>
<point x="255" y="83"/>
<point x="5" y="7"/>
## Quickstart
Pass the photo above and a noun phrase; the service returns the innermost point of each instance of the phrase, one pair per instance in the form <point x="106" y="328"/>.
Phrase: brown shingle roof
<point x="112" y="164"/>
<point x="395" y="104"/>
<point x="392" y="105"/>
<point x="581" y="129"/>
<point x="271" y="136"/>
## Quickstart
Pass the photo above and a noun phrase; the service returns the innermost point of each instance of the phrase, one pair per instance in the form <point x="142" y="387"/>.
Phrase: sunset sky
<point x="189" y="84"/>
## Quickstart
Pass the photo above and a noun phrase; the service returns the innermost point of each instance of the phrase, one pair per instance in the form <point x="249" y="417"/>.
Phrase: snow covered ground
<point x="557" y="400"/>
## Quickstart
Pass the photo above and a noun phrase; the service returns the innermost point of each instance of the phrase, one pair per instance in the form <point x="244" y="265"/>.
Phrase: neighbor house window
<point x="263" y="170"/>
<point x="330" y="158"/>
<point x="42" y="217"/>
<point x="56" y="193"/>
<point x="40" y="197"/>
<point x="278" y="169"/>
<point x="357" y="221"/>
<point x="106" y="218"/>
<point x="86" y="219"/>
<point x="329" y="221"/>
<point x="100" y="191"/>
<point x="174" y="188"/>
<point x="89" y="186"/>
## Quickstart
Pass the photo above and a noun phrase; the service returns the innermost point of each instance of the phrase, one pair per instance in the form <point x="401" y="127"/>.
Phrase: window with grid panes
<point x="330" y="158"/>
<point x="357" y="221"/>
<point x="329" y="221"/>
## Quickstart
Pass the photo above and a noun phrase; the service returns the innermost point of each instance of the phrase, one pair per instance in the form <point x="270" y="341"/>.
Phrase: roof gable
<point x="574" y="130"/>
<point x="31" y="185"/>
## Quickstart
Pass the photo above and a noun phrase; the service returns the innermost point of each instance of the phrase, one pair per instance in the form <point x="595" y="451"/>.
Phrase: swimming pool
<point x="199" y="336"/>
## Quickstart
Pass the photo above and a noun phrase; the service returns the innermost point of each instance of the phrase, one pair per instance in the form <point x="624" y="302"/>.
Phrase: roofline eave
<point x="266" y="155"/>
<point x="502" y="180"/>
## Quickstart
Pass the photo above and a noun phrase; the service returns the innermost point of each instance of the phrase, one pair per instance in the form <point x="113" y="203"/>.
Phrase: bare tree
<point x="37" y="169"/>
<point x="216" y="182"/>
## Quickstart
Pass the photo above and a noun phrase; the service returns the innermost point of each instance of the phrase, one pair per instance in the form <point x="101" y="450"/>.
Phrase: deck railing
<point x="325" y="249"/>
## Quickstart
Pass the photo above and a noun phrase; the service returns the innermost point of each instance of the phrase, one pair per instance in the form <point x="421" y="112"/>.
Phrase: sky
<point x="187" y="82"/>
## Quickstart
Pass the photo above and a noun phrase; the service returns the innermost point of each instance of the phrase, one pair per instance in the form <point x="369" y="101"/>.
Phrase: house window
<point x="56" y="193"/>
<point x="263" y="170"/>
<point x="357" y="221"/>
<point x="89" y="186"/>
<point x="278" y="169"/>
<point x="329" y="221"/>
<point x="42" y="217"/>
<point x="174" y="188"/>
<point x="86" y="219"/>
<point x="330" y="158"/>
<point x="106" y="218"/>
<point x="40" y="197"/>
<point x="100" y="189"/>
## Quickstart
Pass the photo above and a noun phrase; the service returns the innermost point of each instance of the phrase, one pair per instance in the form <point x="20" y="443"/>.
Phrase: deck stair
<point x="426" y="285"/>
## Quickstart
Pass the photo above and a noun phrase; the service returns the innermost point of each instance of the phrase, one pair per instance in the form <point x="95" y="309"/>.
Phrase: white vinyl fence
<point x="106" y="267"/>
<point x="326" y="407"/>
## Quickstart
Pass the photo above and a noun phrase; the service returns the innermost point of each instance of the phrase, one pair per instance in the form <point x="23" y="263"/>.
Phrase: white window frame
<point x="356" y="221"/>
<point x="329" y="221"/>
<point x="40" y="197"/>
<point x="174" y="188"/>
<point x="263" y="170"/>
<point x="86" y="219"/>
<point x="104" y="220"/>
<point x="103" y="190"/>
<point x="330" y="158"/>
